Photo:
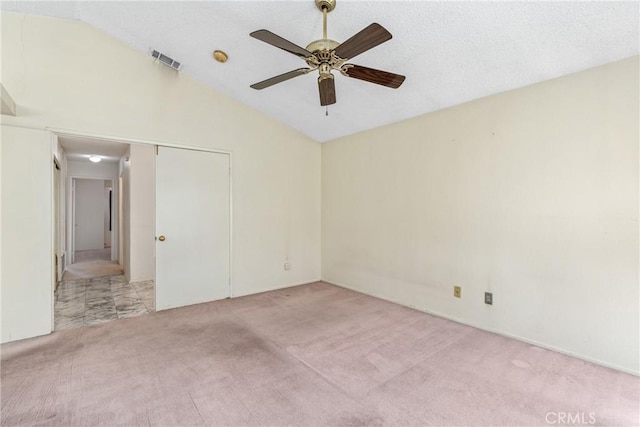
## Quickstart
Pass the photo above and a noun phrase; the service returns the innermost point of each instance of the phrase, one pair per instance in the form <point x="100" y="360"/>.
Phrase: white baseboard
<point x="276" y="288"/>
<point x="504" y="334"/>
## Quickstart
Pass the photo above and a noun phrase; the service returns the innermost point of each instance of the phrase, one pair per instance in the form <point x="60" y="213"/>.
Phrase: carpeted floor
<point x="309" y="355"/>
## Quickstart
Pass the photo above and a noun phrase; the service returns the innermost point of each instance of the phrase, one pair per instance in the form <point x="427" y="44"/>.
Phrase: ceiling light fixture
<point x="95" y="159"/>
<point x="220" y="56"/>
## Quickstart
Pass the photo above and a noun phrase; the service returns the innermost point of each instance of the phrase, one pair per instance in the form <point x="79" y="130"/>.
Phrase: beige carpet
<point x="311" y="355"/>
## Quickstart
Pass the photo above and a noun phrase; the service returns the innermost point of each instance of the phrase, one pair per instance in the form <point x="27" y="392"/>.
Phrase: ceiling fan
<point x="326" y="55"/>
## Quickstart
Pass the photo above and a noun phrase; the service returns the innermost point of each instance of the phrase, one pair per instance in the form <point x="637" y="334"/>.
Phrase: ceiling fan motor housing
<point x="321" y="50"/>
<point x="322" y="45"/>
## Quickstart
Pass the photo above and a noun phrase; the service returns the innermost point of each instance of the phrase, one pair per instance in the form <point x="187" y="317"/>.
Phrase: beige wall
<point x="78" y="78"/>
<point x="531" y="194"/>
<point x="137" y="171"/>
<point x="124" y="252"/>
<point x="27" y="255"/>
<point x="142" y="212"/>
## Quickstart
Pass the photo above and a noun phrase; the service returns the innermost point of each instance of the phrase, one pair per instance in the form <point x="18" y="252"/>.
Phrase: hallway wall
<point x="124" y="253"/>
<point x="61" y="249"/>
<point x="142" y="211"/>
<point x="137" y="170"/>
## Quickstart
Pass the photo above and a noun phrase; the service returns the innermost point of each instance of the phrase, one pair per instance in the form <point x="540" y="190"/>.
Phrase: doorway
<point x="92" y="232"/>
<point x="193" y="265"/>
<point x="95" y="286"/>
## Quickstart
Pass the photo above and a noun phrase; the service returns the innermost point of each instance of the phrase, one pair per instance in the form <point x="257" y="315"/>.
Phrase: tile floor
<point x="102" y="299"/>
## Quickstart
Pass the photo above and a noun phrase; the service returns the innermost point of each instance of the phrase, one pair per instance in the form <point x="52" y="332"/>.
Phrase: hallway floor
<point x="91" y="301"/>
<point x="90" y="264"/>
<point x="94" y="255"/>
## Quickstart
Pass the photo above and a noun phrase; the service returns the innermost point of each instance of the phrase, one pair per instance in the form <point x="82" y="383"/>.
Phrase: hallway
<point x="91" y="264"/>
<point x="94" y="290"/>
<point x="97" y="300"/>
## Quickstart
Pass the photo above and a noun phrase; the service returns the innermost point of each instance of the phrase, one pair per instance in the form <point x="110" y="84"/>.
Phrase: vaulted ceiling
<point x="450" y="52"/>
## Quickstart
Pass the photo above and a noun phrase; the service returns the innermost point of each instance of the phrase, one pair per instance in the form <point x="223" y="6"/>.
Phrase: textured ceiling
<point x="450" y="52"/>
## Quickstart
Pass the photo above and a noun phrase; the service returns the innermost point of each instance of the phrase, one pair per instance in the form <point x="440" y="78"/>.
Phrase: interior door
<point x="89" y="214"/>
<point x="193" y="227"/>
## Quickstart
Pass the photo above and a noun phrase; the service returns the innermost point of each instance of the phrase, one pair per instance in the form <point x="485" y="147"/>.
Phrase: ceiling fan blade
<point x="372" y="75"/>
<point x="366" y="39"/>
<point x="277" y="41"/>
<point x="327" y="87"/>
<point x="278" y="79"/>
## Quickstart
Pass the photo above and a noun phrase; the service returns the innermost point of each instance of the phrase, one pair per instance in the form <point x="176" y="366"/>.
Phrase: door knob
<point x="161" y="238"/>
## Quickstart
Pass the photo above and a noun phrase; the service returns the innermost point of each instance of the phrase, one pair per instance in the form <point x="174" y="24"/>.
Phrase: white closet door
<point x="193" y="227"/>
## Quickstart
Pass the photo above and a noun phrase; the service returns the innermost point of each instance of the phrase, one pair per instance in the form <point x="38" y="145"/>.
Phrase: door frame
<point x="58" y="235"/>
<point x="69" y="132"/>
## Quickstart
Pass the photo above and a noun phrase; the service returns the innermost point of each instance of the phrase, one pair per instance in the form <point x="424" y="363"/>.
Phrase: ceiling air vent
<point x="170" y="62"/>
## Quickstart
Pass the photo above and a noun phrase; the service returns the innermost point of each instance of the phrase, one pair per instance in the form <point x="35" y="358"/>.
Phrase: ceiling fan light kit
<point x="326" y="55"/>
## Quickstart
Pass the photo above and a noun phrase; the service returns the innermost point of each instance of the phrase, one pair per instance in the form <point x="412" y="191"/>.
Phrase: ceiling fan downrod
<point x="324" y="22"/>
<point x="324" y="46"/>
<point x="325" y="7"/>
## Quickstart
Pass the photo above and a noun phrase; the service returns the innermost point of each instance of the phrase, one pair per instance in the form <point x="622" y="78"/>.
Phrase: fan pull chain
<point x="327" y="112"/>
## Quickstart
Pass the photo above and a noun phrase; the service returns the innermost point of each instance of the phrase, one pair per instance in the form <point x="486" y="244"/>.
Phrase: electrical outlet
<point x="457" y="291"/>
<point x="488" y="298"/>
<point x="287" y="266"/>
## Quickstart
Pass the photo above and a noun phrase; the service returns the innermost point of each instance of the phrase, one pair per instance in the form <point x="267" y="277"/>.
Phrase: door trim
<point x="126" y="140"/>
